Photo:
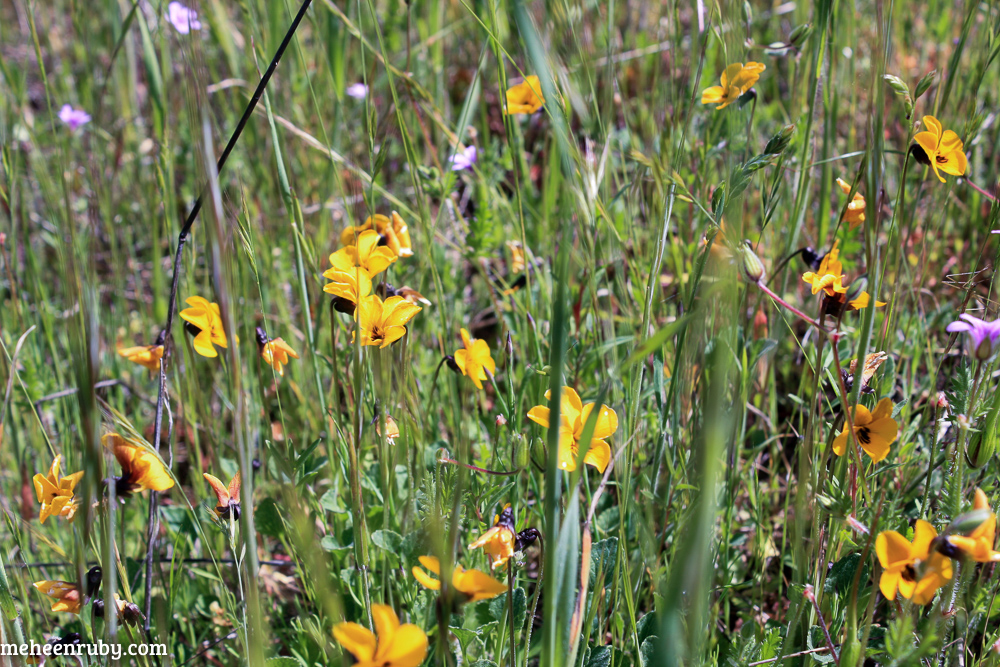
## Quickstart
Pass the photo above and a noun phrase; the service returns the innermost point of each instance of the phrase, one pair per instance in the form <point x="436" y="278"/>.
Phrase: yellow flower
<point x="66" y="595"/>
<point x="148" y="355"/>
<point x="829" y="279"/>
<point x="55" y="493"/>
<point x="876" y="431"/>
<point x="394" y="233"/>
<point x="856" y="209"/>
<point x="474" y="584"/>
<point x="206" y="321"/>
<point x="978" y="545"/>
<point x="941" y="149"/>
<point x="498" y="542"/>
<point x="737" y="79"/>
<point x="395" y="646"/>
<point x="474" y="359"/>
<point x="911" y="569"/>
<point x="141" y="468"/>
<point x="526" y="97"/>
<point x="383" y="323"/>
<point x="274" y="352"/>
<point x="573" y="416"/>
<point x="366" y="254"/>
<point x="228" y="497"/>
<point x="347" y="288"/>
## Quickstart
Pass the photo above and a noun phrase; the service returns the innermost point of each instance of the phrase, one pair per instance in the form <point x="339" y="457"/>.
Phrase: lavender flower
<point x="73" y="117"/>
<point x="983" y="335"/>
<point x="182" y="18"/>
<point x="357" y="90"/>
<point x="463" y="159"/>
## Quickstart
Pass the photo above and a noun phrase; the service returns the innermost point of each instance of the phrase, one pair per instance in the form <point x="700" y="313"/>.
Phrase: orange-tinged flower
<point x="912" y="569"/>
<point x="499" y="541"/>
<point x="526" y="97"/>
<point x="736" y="80"/>
<point x="941" y="149"/>
<point x="66" y="595"/>
<point x="394" y="645"/>
<point x="347" y="288"/>
<point x="855" y="214"/>
<point x="475" y="585"/>
<point x="829" y="279"/>
<point x="393" y="231"/>
<point x="391" y="429"/>
<point x="876" y="431"/>
<point x="205" y="321"/>
<point x="275" y="352"/>
<point x="978" y="545"/>
<point x="383" y="323"/>
<point x="55" y="493"/>
<point x="365" y="254"/>
<point x="144" y="355"/>
<point x="228" y="496"/>
<point x="474" y="359"/>
<point x="141" y="468"/>
<point x="572" y="419"/>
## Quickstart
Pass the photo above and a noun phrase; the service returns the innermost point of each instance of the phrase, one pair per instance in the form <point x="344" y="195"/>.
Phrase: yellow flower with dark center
<point x="978" y="545"/>
<point x="572" y="419"/>
<point x="275" y="352"/>
<point x="876" y="430"/>
<point x="475" y="585"/>
<point x="829" y="279"/>
<point x="205" y="319"/>
<point x="393" y="231"/>
<point x="526" y="97"/>
<point x="55" y="493"/>
<point x="940" y="149"/>
<point x="141" y="468"/>
<point x="912" y="569"/>
<point x="736" y="80"/>
<point x="144" y="355"/>
<point x="365" y="254"/>
<point x="394" y="645"/>
<point x="498" y="542"/>
<point x="66" y="595"/>
<point x="855" y="214"/>
<point x="383" y="323"/>
<point x="474" y="359"/>
<point x="347" y="288"/>
<point x="228" y="496"/>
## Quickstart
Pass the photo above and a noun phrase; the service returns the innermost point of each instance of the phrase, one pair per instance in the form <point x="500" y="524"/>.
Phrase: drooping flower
<point x="978" y="545"/>
<point x="347" y="288"/>
<point x="383" y="323"/>
<point x="736" y="80"/>
<point x="393" y="232"/>
<point x="141" y="468"/>
<point x="912" y="569"/>
<point x="66" y="595"/>
<point x="55" y="493"/>
<point x="501" y="542"/>
<point x="204" y="320"/>
<point x="144" y="355"/>
<point x="391" y="429"/>
<point x="876" y="431"/>
<point x="128" y="612"/>
<point x="73" y="118"/>
<point x="394" y="645"/>
<point x="855" y="214"/>
<point x="983" y="335"/>
<point x="463" y="158"/>
<point x="182" y="18"/>
<point x="475" y="585"/>
<point x="940" y="149"/>
<point x="829" y="279"/>
<point x="365" y="254"/>
<point x="358" y="91"/>
<point x="572" y="419"/>
<point x="275" y="351"/>
<point x="228" y="496"/>
<point x="474" y="360"/>
<point x="526" y="97"/>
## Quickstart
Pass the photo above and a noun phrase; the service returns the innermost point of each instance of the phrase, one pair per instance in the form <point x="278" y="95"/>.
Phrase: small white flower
<point x="357" y="90"/>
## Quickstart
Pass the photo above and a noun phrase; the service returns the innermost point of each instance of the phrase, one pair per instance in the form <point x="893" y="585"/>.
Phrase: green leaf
<point x="603" y="556"/>
<point x="647" y="652"/>
<point x="498" y="607"/>
<point x="268" y="519"/>
<point x="600" y="656"/>
<point x="388" y="540"/>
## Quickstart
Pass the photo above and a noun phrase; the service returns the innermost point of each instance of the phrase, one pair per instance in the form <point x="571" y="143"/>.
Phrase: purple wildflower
<point x="73" y="117"/>
<point x="983" y="335"/>
<point x="182" y="18"/>
<point x="357" y="90"/>
<point x="463" y="159"/>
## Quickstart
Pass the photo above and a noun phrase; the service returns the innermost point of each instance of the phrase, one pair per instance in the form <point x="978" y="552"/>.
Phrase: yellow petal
<point x="407" y="649"/>
<point x="599" y="455"/>
<point x="356" y="639"/>
<point x="892" y="550"/>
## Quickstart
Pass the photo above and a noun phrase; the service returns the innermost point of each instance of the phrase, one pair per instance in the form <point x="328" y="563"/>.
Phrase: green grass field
<point x="358" y="277"/>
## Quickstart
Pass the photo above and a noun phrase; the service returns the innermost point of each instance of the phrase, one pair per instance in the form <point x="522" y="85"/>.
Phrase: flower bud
<point x="501" y="421"/>
<point x="751" y="268"/>
<point x="520" y="452"/>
